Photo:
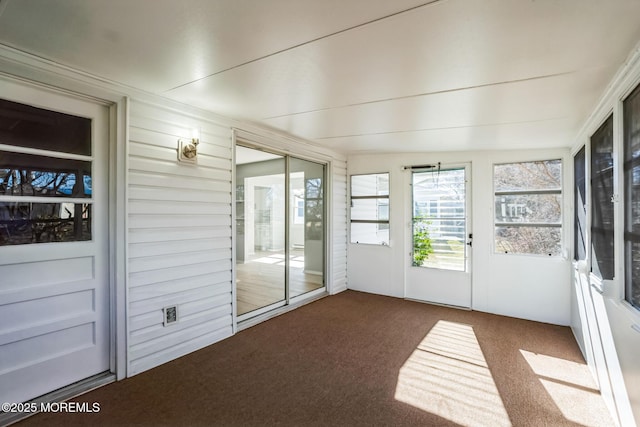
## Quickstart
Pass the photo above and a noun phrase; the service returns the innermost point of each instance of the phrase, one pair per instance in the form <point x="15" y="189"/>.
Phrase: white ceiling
<point x="352" y="75"/>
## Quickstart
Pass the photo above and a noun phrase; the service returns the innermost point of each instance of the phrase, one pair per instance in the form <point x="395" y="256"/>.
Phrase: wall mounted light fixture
<point x="188" y="149"/>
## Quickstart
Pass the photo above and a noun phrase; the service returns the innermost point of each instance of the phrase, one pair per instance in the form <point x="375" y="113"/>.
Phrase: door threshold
<point x="60" y="395"/>
<point x="252" y="321"/>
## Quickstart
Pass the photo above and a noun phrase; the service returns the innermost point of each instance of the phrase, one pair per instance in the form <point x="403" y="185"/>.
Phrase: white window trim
<point x="387" y="197"/>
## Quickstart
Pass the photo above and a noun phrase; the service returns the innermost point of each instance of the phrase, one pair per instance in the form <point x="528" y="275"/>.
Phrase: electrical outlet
<point x="170" y="315"/>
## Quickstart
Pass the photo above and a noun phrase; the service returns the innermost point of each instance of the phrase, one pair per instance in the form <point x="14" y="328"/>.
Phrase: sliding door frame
<point x="247" y="140"/>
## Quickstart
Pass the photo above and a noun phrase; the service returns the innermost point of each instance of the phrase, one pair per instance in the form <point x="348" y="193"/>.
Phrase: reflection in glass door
<point x="260" y="231"/>
<point x="279" y="230"/>
<point x="306" y="226"/>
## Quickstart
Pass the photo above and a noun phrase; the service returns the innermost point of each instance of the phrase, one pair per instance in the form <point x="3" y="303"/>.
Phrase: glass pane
<point x="306" y="226"/>
<point x="370" y="185"/>
<point x="27" y="126"/>
<point x="601" y="204"/>
<point x="313" y="213"/>
<point x="24" y="223"/>
<point x="31" y="175"/>
<point x="529" y="208"/>
<point x="370" y="209"/>
<point x="439" y="219"/>
<point x="260" y="230"/>
<point x="580" y="218"/>
<point x="528" y="240"/>
<point x="439" y="244"/>
<point x="543" y="175"/>
<point x="372" y="234"/>
<point x="632" y="197"/>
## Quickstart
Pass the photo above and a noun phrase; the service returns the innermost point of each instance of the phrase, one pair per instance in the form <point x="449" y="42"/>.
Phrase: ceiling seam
<point x="442" y="128"/>
<point x="373" y="21"/>
<point x="423" y="94"/>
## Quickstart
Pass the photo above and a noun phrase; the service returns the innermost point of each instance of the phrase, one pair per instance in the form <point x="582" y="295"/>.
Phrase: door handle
<point x="470" y="242"/>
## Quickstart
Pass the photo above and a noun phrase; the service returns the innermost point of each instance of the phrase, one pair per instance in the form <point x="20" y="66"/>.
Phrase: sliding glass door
<point x="260" y="231"/>
<point x="306" y="226"/>
<point x="279" y="230"/>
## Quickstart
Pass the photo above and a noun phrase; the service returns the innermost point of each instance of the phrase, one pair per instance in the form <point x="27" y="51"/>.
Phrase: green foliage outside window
<point x="421" y="242"/>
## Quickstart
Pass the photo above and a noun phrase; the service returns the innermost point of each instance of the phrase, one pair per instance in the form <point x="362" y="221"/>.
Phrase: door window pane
<point x="24" y="223"/>
<point x="439" y="219"/>
<point x="32" y="175"/>
<point x="26" y="126"/>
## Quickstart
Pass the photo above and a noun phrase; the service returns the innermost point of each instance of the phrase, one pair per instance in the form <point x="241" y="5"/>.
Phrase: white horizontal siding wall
<point x="179" y="236"/>
<point x="177" y="242"/>
<point x="339" y="226"/>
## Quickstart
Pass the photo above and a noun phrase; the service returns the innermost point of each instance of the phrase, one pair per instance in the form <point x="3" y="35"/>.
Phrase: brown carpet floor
<point x="357" y="359"/>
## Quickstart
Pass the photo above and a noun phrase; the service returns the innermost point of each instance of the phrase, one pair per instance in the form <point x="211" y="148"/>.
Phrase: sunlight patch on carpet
<point x="572" y="389"/>
<point x="447" y="375"/>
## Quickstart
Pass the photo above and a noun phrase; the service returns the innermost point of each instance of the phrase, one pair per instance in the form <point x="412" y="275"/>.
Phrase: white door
<point x="438" y="270"/>
<point x="54" y="277"/>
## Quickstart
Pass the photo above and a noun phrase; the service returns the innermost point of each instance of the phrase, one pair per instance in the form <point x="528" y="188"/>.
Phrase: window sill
<point x="384" y="245"/>
<point x="632" y="313"/>
<point x="537" y="256"/>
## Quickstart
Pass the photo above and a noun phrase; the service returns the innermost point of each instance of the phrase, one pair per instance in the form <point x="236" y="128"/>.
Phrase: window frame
<point x="559" y="191"/>
<point x="385" y="223"/>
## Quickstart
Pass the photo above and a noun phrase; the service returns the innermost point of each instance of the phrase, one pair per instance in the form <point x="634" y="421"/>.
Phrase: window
<point x="43" y="197"/>
<point x="580" y="192"/>
<point x="370" y="209"/>
<point x="601" y="203"/>
<point x="528" y="207"/>
<point x="632" y="197"/>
